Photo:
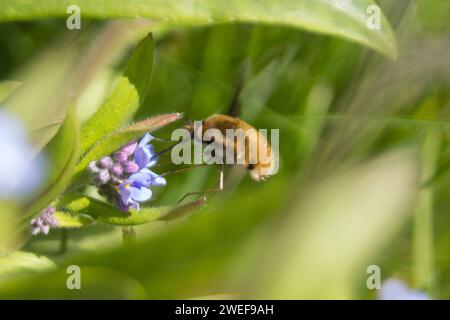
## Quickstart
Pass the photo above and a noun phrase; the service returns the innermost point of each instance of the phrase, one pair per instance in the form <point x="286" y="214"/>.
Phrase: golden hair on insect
<point x="259" y="166"/>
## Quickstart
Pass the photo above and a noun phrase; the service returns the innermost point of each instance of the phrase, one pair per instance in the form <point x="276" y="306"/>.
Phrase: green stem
<point x="63" y="244"/>
<point x="423" y="246"/>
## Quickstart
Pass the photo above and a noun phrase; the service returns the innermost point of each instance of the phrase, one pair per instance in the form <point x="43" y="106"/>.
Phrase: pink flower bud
<point x="129" y="148"/>
<point x="130" y="167"/>
<point x="105" y="162"/>
<point x="117" y="170"/>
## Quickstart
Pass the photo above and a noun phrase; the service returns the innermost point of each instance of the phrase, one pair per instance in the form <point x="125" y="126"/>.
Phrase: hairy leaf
<point x="125" y="99"/>
<point x="68" y="220"/>
<point x="106" y="214"/>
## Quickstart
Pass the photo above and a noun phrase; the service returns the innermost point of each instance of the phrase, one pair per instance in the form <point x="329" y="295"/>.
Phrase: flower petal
<point x="145" y="139"/>
<point x="141" y="179"/>
<point x="152" y="159"/>
<point x="140" y="194"/>
<point x="124" y="193"/>
<point x="122" y="206"/>
<point x="142" y="157"/>
<point x="154" y="178"/>
<point x="159" y="181"/>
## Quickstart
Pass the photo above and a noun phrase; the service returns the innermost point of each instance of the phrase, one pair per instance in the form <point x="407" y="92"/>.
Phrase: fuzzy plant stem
<point x="128" y="235"/>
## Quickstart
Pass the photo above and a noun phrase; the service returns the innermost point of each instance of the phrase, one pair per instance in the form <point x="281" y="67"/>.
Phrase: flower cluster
<point x="43" y="222"/>
<point x="124" y="178"/>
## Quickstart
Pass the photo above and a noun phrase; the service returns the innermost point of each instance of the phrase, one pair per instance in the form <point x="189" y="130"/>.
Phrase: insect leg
<point x="222" y="169"/>
<point x="217" y="189"/>
<point x="185" y="169"/>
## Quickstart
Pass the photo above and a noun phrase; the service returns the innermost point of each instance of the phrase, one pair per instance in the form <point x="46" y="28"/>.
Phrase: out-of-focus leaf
<point x="95" y="284"/>
<point x="8" y="215"/>
<point x="67" y="220"/>
<point x="105" y="213"/>
<point x="125" y="99"/>
<point x="115" y="140"/>
<point x="8" y="87"/>
<point x="62" y="154"/>
<point x="67" y="72"/>
<point x="41" y="105"/>
<point x="334" y="230"/>
<point x="343" y="18"/>
<point x="189" y="259"/>
<point x="20" y="263"/>
<point x="423" y="238"/>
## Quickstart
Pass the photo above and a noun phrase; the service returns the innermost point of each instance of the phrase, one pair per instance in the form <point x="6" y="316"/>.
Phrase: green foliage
<point x="183" y="260"/>
<point x="101" y="212"/>
<point x="66" y="75"/>
<point x="352" y="190"/>
<point x="8" y="236"/>
<point x="68" y="220"/>
<point x="326" y="268"/>
<point x="23" y="263"/>
<point x="97" y="284"/>
<point x="126" y="98"/>
<point x="115" y="140"/>
<point x="62" y="152"/>
<point x="49" y="97"/>
<point x="345" y="19"/>
<point x="423" y="245"/>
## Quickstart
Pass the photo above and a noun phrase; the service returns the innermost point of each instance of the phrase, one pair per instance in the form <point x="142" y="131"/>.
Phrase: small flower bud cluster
<point x="114" y="169"/>
<point x="43" y="222"/>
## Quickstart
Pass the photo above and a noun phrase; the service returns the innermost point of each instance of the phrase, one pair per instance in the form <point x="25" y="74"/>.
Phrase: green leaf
<point x="346" y="19"/>
<point x="188" y="258"/>
<point x="115" y="140"/>
<point x="8" y="238"/>
<point x="68" y="220"/>
<point x="67" y="73"/>
<point x="106" y="214"/>
<point x="126" y="98"/>
<point x="47" y="99"/>
<point x="20" y="263"/>
<point x="95" y="284"/>
<point x="7" y="88"/>
<point x="62" y="154"/>
<point x="423" y="238"/>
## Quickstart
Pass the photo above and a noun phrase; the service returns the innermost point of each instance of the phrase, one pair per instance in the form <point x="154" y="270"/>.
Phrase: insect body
<point x="253" y="150"/>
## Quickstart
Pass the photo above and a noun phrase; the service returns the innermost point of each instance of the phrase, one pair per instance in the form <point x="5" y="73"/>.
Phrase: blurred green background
<point x="364" y="165"/>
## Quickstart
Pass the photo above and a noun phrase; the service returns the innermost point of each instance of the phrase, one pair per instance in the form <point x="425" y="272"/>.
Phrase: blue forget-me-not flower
<point x="124" y="178"/>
